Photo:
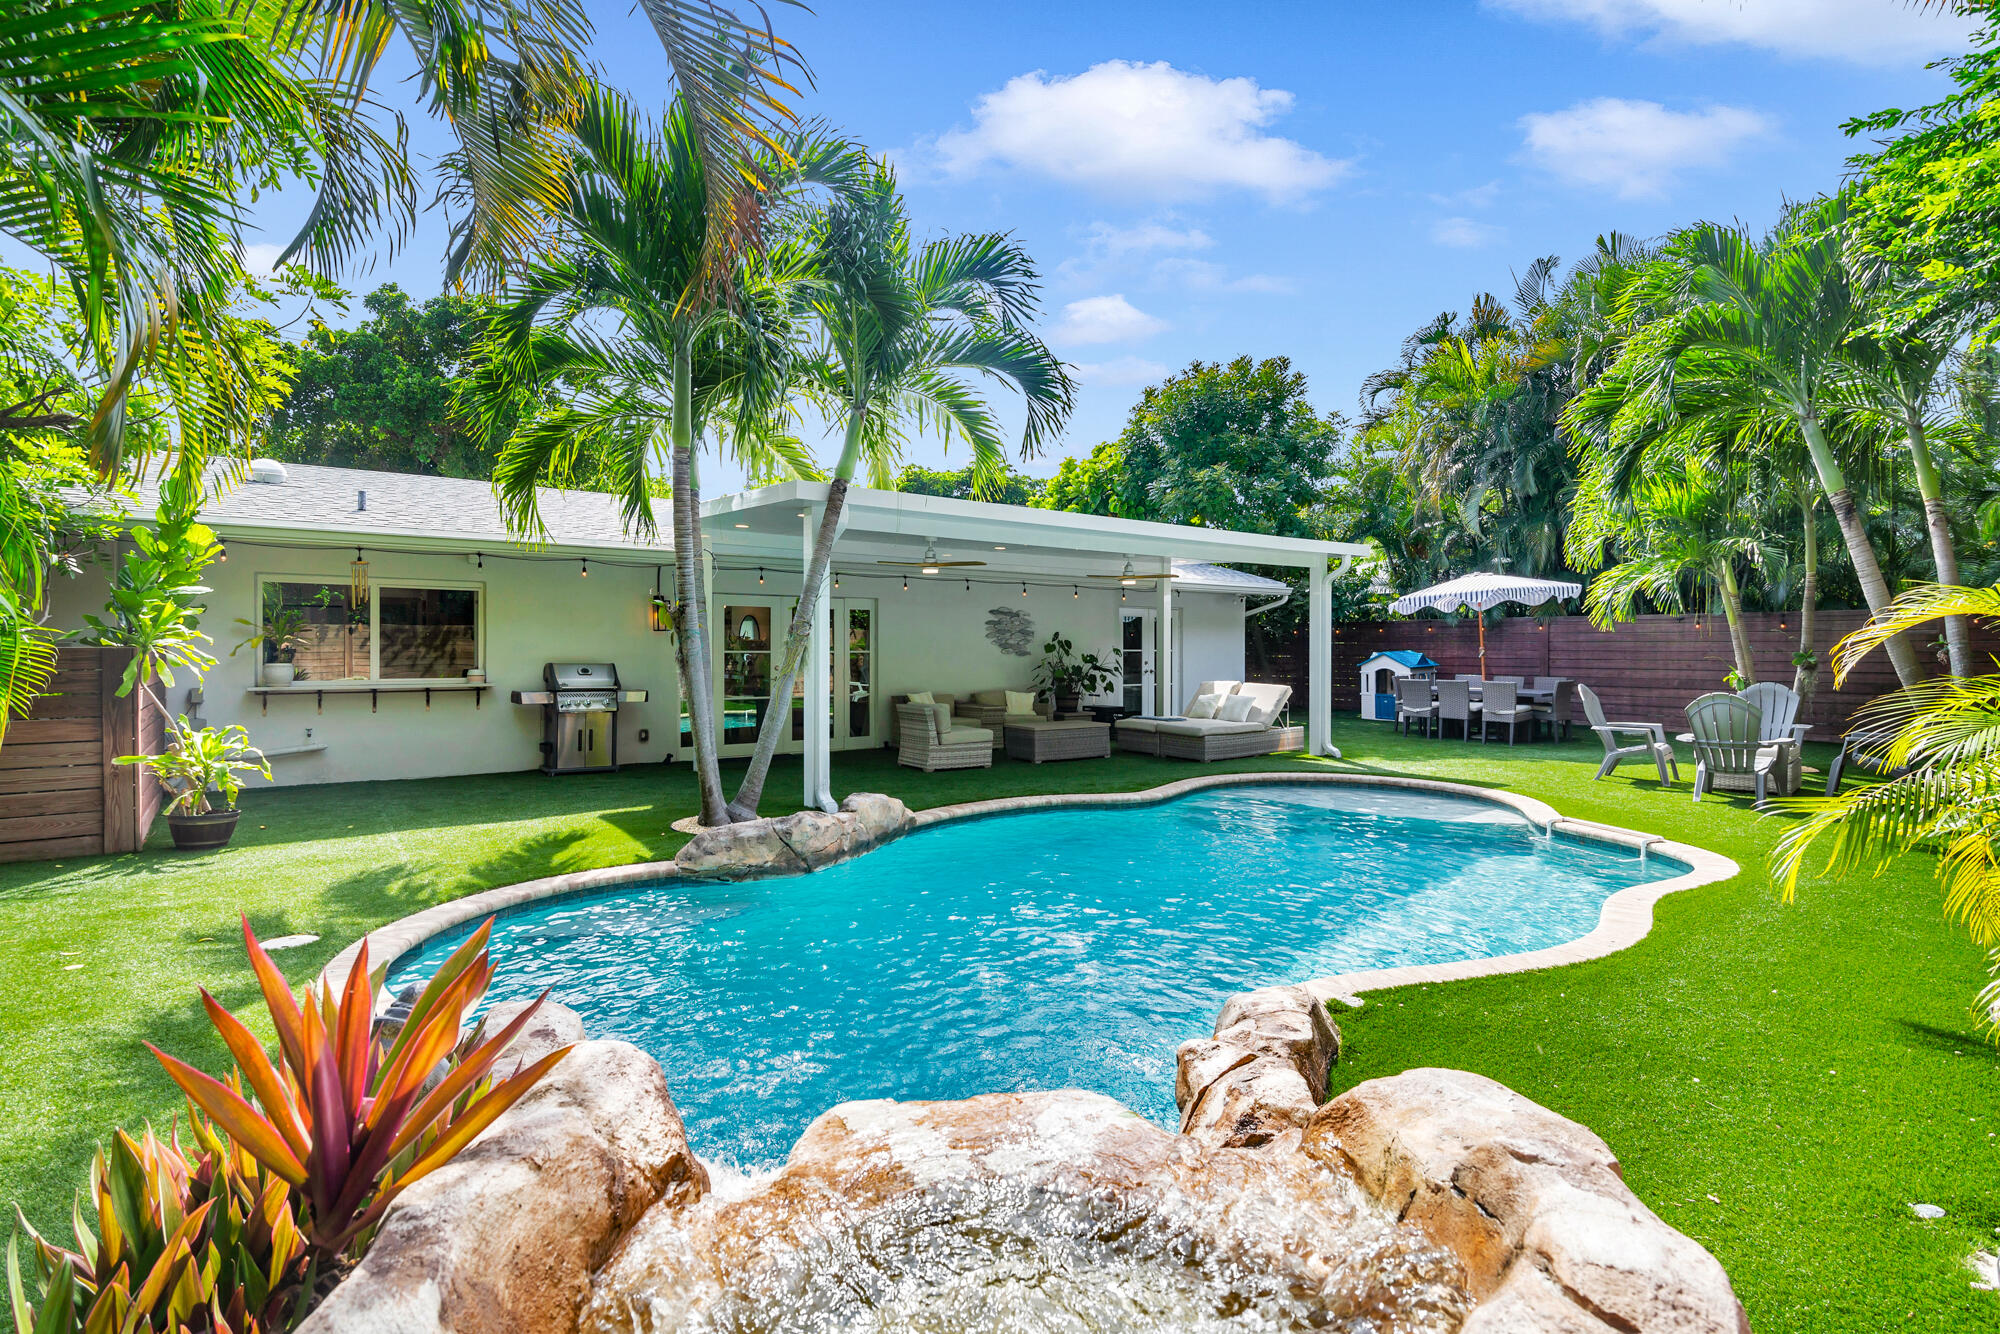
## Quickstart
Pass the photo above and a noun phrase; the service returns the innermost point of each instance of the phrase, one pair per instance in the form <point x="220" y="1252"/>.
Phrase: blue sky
<point x="1313" y="180"/>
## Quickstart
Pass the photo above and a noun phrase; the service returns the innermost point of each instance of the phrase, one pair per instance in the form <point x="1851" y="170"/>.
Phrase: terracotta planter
<point x="203" y="833"/>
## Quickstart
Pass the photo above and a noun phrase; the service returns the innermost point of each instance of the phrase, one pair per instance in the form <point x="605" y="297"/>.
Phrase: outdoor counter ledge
<point x="1624" y="920"/>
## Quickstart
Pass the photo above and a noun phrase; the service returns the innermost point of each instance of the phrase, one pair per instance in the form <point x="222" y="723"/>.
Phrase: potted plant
<point x="1067" y="677"/>
<point x="199" y="762"/>
<point x="279" y="638"/>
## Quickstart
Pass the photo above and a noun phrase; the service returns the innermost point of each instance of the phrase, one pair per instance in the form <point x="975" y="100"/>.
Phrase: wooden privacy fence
<point x="1645" y="670"/>
<point x="60" y="794"/>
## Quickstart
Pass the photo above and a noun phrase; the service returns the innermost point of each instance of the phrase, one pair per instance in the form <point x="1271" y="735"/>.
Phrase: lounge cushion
<point x="1203" y="727"/>
<point x="922" y="697"/>
<point x="1236" y="709"/>
<point x="1217" y="687"/>
<point x="1204" y="706"/>
<point x="967" y="736"/>
<point x="941" y="718"/>
<point x="1266" y="699"/>
<point x="1140" y="724"/>
<point x="1019" y="703"/>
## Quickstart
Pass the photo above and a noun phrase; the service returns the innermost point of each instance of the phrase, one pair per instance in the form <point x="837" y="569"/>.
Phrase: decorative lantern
<point x="657" y="606"/>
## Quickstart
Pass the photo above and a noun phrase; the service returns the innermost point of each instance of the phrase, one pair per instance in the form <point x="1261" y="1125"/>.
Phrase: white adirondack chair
<point x="1654" y="747"/>
<point x="1779" y="707"/>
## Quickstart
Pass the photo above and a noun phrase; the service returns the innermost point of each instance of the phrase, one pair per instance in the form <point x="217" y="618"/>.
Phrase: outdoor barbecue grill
<point x="579" y="703"/>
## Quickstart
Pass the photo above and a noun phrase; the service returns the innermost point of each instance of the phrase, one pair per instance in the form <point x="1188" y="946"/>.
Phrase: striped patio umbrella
<point x="1480" y="592"/>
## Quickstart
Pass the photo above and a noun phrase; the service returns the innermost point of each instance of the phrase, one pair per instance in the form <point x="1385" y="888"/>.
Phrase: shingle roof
<point x="328" y="500"/>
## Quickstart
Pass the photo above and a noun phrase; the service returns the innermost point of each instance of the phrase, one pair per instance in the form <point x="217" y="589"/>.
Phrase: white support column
<point x="1163" y="651"/>
<point x="817" y="671"/>
<point x="1319" y="654"/>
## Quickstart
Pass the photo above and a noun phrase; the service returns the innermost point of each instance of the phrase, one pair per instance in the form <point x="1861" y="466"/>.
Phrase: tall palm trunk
<point x="1732" y="610"/>
<point x="1957" y="630"/>
<point x="1805" y="674"/>
<point x="1860" y="551"/>
<point x="693" y="619"/>
<point x="751" y="791"/>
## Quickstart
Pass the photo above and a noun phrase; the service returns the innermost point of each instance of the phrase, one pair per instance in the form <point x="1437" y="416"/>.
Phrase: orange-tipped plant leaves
<point x="238" y="1119"/>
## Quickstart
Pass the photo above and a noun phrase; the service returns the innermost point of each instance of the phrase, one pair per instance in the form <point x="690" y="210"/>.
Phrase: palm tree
<point x="1749" y="329"/>
<point x="895" y="322"/>
<point x="1945" y="805"/>
<point x="1677" y="522"/>
<point x="626" y="346"/>
<point x="1896" y="377"/>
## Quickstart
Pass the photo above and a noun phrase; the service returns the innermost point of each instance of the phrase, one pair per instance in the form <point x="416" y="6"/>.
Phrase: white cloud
<point x="1867" y="32"/>
<point x="1479" y="196"/>
<point x="1634" y="148"/>
<point x="1201" y="275"/>
<point x="1111" y="242"/>
<point x="1105" y="319"/>
<point x="1465" y="233"/>
<point x="1119" y="372"/>
<point x="260" y="258"/>
<point x="1140" y="131"/>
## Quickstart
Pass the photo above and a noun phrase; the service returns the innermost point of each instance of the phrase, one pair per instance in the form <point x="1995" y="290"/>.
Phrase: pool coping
<point x="1625" y="918"/>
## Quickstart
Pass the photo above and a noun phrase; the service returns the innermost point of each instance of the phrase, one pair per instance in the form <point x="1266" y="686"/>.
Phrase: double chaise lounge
<point x="1225" y="720"/>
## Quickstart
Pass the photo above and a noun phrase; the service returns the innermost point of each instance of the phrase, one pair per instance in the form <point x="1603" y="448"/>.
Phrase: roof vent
<point x="268" y="471"/>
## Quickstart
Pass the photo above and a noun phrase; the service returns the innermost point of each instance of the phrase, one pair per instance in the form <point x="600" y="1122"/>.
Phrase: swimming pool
<point x="1065" y="948"/>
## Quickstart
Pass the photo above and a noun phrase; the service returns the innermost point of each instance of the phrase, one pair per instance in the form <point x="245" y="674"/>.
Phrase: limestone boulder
<point x="789" y="844"/>
<point x="553" y="1026"/>
<point x="1534" y="1204"/>
<point x="1258" y="1081"/>
<point x="504" y="1239"/>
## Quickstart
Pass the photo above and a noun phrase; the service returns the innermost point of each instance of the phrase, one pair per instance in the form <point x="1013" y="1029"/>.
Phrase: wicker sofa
<point x="929" y="738"/>
<point x="1265" y="730"/>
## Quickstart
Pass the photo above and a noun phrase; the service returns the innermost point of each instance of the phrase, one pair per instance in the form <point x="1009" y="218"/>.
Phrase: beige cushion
<point x="1204" y="727"/>
<point x="1217" y="687"/>
<point x="992" y="699"/>
<point x="1138" y="724"/>
<point x="968" y="736"/>
<point x="1204" y="706"/>
<point x="1020" y="703"/>
<point x="941" y="718"/>
<point x="922" y="697"/>
<point x="1235" y="709"/>
<point x="1266" y="699"/>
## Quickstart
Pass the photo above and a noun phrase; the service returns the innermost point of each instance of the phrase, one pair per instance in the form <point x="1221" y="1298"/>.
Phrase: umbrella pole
<point x="1482" y="643"/>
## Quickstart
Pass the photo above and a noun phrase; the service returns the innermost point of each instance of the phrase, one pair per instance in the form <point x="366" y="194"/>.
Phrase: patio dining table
<point x="1527" y="693"/>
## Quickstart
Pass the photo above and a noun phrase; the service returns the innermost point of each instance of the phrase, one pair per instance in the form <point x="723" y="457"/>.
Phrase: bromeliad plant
<point x="293" y="1162"/>
<point x="346" y="1122"/>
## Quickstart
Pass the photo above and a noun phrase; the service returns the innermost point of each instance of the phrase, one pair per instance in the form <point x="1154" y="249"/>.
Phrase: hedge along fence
<point x="60" y="793"/>
<point x="1645" y="670"/>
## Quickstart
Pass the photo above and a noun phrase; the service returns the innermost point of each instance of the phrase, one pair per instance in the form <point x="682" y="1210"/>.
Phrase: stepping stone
<point x="287" y="942"/>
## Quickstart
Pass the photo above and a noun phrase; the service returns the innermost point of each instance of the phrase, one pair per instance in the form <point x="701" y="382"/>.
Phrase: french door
<point x="1137" y="653"/>
<point x="851" y="676"/>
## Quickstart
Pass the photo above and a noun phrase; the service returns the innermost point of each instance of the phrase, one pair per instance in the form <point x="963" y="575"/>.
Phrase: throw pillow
<point x="941" y="718"/>
<point x="1020" y="703"/>
<point x="1204" y="706"/>
<point x="921" y="697"/>
<point x="1236" y="709"/>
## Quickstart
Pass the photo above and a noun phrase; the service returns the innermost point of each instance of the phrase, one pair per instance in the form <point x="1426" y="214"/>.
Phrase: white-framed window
<point x="403" y="630"/>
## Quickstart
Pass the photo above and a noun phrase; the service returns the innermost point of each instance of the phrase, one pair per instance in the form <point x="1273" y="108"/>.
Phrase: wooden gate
<point x="60" y="793"/>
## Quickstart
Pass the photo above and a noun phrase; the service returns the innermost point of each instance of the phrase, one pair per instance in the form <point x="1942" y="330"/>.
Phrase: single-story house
<point x="422" y="616"/>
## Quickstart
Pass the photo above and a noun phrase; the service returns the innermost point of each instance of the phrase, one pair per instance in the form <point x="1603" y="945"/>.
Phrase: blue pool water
<point x="1053" y="949"/>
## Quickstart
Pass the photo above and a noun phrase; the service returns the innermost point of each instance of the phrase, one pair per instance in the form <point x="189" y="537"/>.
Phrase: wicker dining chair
<point x="1499" y="702"/>
<point x="1455" y="705"/>
<point x="1414" y="704"/>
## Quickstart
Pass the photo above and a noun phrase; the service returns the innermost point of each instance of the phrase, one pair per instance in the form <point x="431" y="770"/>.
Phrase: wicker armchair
<point x="924" y="746"/>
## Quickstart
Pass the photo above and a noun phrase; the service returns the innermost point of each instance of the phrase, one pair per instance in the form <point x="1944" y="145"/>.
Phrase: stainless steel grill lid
<point x="580" y="676"/>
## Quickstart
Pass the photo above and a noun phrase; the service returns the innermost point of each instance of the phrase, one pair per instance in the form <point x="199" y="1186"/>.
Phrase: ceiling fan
<point x="930" y="564"/>
<point x="1128" y="577"/>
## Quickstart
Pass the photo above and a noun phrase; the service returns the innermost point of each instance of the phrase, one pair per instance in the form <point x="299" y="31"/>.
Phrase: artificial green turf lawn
<point x="1810" y="1066"/>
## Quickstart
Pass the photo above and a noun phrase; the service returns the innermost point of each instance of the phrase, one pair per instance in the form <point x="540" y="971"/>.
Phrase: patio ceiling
<point x="897" y="525"/>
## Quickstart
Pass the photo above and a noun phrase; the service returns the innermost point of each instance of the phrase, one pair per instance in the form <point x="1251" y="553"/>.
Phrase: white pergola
<point x="779" y="523"/>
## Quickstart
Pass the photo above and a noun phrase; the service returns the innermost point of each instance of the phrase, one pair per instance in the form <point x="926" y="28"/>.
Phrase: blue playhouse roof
<point x="1408" y="657"/>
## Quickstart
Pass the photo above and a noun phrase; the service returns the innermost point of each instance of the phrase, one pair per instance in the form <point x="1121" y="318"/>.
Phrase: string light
<point x="836" y="581"/>
<point x="222" y="551"/>
<point x="1024" y="588"/>
<point x="760" y="574"/>
<point x="906" y="583"/>
<point x="480" y="557"/>
<point x="968" y="585"/>
<point x="1074" y="592"/>
<point x="584" y="573"/>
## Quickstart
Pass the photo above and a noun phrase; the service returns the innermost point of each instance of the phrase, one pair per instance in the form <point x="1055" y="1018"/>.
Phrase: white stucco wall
<point x="534" y="612"/>
<point x="933" y="637"/>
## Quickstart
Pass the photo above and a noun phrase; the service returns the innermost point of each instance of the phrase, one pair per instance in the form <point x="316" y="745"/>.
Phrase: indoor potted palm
<point x="200" y="762"/>
<point x="278" y="641"/>
<point x="1067" y="677"/>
